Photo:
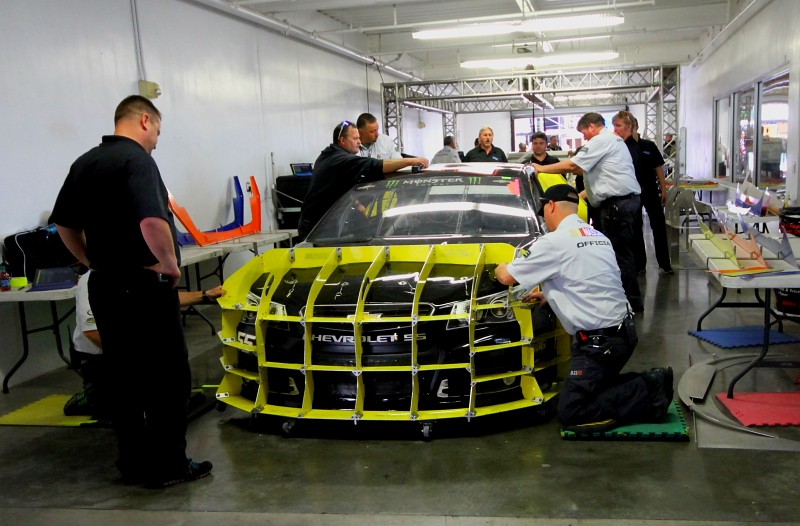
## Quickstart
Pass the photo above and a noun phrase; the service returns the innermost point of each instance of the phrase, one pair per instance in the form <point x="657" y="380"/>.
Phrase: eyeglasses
<point x="344" y="126"/>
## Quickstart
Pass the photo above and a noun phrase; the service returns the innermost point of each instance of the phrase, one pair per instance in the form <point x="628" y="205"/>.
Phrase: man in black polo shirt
<point x="338" y="168"/>
<point x="112" y="214"/>
<point x="538" y="152"/>
<point x="485" y="151"/>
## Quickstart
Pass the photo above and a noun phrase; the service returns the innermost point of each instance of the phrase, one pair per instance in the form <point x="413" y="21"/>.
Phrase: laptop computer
<point x="54" y="279"/>
<point x="301" y="168"/>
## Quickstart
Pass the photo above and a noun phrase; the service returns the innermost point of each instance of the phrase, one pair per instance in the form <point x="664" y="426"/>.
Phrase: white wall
<point x="237" y="99"/>
<point x="767" y="43"/>
<point x="422" y="132"/>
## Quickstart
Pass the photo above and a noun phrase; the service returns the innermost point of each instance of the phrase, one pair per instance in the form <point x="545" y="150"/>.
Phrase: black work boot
<point x="659" y="384"/>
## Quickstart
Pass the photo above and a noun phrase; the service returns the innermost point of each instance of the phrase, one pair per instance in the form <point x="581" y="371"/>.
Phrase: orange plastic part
<point x="209" y="238"/>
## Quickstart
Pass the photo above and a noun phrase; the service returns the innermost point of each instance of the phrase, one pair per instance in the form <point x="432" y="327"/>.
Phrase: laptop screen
<point x="301" y="168"/>
<point x="55" y="278"/>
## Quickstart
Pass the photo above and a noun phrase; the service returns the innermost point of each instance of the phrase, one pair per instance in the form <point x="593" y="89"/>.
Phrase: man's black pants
<point x="148" y="378"/>
<point x="594" y="390"/>
<point x="651" y="201"/>
<point x="617" y="222"/>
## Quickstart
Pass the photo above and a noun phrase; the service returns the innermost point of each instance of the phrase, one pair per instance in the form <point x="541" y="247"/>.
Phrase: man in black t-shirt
<point x="648" y="165"/>
<point x="338" y="168"/>
<point x="112" y="214"/>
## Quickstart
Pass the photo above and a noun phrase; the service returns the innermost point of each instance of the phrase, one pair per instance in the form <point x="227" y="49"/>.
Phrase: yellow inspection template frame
<point x="275" y="264"/>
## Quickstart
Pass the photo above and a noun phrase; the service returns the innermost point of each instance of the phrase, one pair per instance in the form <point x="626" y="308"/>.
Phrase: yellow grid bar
<point x="335" y="368"/>
<point x="500" y="376"/>
<point x="239" y="402"/>
<point x="285" y="365"/>
<point x="428" y="261"/>
<point x="443" y="366"/>
<point x="498" y="346"/>
<point x="487" y="306"/>
<point x="242" y="372"/>
<point x="280" y="410"/>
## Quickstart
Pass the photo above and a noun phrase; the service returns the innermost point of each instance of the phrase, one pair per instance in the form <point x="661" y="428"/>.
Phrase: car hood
<point x="351" y="283"/>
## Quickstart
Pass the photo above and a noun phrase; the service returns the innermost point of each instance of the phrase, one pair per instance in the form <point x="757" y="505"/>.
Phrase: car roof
<point x="505" y="169"/>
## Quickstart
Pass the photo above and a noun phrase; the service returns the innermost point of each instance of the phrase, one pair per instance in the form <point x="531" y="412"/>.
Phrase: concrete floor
<point x="505" y="471"/>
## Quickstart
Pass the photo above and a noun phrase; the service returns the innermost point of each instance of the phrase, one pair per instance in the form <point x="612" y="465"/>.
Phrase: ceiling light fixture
<point x="553" y="41"/>
<point x="534" y="25"/>
<point x="426" y="108"/>
<point x="545" y="60"/>
<point x="582" y="96"/>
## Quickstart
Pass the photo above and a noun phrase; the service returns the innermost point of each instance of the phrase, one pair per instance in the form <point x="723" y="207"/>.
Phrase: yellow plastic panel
<point x="548" y="180"/>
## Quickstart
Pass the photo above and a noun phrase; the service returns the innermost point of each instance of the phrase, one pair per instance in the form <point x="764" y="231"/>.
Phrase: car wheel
<point x="427" y="430"/>
<point x="286" y="427"/>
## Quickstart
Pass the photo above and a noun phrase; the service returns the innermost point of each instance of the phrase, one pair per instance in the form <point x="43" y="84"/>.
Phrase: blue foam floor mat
<point x="734" y="337"/>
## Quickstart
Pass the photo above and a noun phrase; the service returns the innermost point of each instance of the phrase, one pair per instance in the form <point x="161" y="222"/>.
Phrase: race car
<point x="389" y="310"/>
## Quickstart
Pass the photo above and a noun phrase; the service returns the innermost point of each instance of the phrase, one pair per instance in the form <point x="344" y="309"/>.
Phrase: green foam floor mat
<point x="673" y="429"/>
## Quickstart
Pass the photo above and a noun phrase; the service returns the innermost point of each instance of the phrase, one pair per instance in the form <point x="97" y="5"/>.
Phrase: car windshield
<point x="420" y="208"/>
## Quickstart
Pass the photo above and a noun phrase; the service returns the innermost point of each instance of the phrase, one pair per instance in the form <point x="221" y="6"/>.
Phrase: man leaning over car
<point x="338" y="168"/>
<point x="610" y="185"/>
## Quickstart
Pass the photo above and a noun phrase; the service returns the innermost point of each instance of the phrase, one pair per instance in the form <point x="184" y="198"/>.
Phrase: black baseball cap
<point x="560" y="192"/>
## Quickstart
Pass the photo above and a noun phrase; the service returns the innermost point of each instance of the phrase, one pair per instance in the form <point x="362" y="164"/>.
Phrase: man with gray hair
<point x="485" y="151"/>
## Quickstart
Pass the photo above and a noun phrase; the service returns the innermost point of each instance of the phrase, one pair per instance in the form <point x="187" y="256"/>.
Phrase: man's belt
<point x="617" y="198"/>
<point x="613" y="331"/>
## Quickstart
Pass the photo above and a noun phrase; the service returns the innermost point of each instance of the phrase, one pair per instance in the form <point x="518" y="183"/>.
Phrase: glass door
<point x="744" y="104"/>
<point x="774" y="118"/>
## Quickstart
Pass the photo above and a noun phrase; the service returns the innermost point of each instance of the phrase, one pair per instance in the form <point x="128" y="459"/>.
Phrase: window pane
<point x="774" y="131"/>
<point x="523" y="128"/>
<point x="723" y="157"/>
<point x="744" y="106"/>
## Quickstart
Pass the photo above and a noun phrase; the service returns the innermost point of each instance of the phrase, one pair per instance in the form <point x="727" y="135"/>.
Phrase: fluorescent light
<point x="534" y="25"/>
<point x="553" y="41"/>
<point x="582" y="96"/>
<point x="469" y="30"/>
<point x="546" y="60"/>
<point x="426" y="108"/>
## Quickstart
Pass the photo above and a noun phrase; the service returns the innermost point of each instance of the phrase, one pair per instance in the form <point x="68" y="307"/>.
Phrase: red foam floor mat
<point x="764" y="409"/>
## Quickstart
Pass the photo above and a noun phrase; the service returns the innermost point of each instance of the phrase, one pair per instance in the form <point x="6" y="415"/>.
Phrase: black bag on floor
<point x="790" y="220"/>
<point x="26" y="252"/>
<point x="787" y="301"/>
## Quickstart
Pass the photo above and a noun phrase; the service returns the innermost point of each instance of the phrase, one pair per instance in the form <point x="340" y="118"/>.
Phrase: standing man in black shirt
<point x="338" y="168"/>
<point x="648" y="163"/>
<point x="539" y="153"/>
<point x="112" y="214"/>
<point x="485" y="151"/>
